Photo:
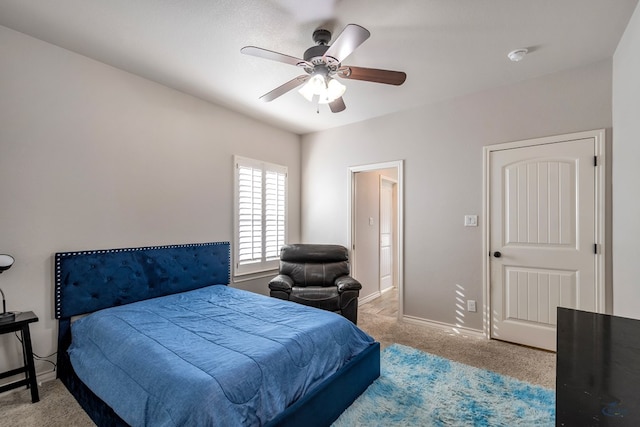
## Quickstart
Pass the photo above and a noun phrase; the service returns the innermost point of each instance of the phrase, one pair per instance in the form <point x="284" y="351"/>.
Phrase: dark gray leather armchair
<point x="318" y="276"/>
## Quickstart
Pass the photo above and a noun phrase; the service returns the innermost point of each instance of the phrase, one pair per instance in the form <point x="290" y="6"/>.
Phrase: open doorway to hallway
<point x="376" y="235"/>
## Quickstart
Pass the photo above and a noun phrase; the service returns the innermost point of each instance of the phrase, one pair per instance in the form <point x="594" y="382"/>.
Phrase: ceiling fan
<point x="323" y="63"/>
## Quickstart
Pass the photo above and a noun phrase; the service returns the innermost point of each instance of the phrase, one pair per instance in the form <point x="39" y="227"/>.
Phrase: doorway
<point x="544" y="234"/>
<point x="376" y="230"/>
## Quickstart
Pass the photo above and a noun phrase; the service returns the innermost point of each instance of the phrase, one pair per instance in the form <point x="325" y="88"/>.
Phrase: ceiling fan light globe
<point x="318" y="84"/>
<point x="314" y="86"/>
<point x="307" y="92"/>
<point x="324" y="90"/>
<point x="335" y="90"/>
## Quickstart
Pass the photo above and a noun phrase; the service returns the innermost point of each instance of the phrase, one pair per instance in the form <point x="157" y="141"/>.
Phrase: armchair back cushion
<point x="314" y="265"/>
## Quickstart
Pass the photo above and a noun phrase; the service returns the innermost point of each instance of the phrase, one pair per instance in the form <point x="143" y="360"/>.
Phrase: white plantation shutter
<point x="275" y="184"/>
<point x="260" y="211"/>
<point x="249" y="214"/>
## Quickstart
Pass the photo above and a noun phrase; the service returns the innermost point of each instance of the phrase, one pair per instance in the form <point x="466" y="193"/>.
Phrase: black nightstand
<point x="21" y="323"/>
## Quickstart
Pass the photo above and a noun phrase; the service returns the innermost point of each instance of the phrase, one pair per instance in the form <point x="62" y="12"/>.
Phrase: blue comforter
<point x="216" y="356"/>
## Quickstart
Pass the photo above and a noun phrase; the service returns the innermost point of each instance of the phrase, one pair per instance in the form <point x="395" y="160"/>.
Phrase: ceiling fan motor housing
<point x="315" y="52"/>
<point x="325" y="65"/>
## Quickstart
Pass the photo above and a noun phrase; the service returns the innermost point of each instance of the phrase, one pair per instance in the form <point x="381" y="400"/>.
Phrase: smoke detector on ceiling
<point x="517" y="55"/>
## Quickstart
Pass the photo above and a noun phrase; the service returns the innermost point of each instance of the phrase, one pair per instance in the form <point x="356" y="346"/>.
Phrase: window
<point x="260" y="214"/>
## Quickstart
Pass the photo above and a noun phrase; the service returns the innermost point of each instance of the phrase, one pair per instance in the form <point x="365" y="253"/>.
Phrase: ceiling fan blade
<point x="349" y="39"/>
<point x="274" y="56"/>
<point x="372" y="75"/>
<point x="337" y="105"/>
<point x="281" y="90"/>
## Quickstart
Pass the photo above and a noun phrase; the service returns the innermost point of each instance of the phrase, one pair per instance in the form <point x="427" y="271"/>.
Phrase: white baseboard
<point x="45" y="377"/>
<point x="369" y="298"/>
<point x="455" y="329"/>
<point x="390" y="288"/>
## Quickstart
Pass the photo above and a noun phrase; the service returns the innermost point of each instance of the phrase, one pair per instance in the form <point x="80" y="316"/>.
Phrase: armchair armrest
<point x="347" y="283"/>
<point x="281" y="283"/>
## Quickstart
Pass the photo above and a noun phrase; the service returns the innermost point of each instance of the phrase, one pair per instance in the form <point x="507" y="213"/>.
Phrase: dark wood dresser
<point x="598" y="370"/>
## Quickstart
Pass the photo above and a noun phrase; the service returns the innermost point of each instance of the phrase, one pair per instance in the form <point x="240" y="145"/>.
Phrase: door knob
<point x="497" y="254"/>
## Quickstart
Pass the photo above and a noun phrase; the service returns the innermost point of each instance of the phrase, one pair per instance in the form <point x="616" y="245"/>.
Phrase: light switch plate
<point x="471" y="220"/>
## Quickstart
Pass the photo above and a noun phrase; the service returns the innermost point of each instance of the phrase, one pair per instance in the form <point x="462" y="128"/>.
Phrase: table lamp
<point x="6" y="261"/>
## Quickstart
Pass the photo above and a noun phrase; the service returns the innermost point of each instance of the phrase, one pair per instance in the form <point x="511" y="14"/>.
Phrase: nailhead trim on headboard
<point x="62" y="255"/>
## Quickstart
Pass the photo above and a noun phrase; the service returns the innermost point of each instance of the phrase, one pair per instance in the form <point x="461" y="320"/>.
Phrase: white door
<point x="386" y="233"/>
<point x="542" y="231"/>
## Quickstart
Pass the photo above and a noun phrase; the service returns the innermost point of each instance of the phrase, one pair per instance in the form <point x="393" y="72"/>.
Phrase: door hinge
<point x="595" y="160"/>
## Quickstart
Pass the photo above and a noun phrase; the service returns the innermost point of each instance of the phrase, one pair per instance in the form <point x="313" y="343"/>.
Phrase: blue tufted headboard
<point x="92" y="280"/>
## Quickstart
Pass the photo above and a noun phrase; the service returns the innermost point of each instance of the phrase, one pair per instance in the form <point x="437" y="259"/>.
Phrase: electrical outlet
<point x="471" y="305"/>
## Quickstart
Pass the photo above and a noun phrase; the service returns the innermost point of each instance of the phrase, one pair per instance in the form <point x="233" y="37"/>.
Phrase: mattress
<point x="215" y="356"/>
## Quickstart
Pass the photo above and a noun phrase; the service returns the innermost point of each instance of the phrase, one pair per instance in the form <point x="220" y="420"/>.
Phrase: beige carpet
<point x="57" y="408"/>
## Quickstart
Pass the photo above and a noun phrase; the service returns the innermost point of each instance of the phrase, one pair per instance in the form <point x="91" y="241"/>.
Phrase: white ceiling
<point x="448" y="48"/>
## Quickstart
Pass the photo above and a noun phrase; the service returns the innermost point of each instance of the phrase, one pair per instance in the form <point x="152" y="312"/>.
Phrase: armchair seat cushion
<point x="326" y="298"/>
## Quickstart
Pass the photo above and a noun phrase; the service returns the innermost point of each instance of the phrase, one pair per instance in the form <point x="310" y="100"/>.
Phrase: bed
<point x="155" y="336"/>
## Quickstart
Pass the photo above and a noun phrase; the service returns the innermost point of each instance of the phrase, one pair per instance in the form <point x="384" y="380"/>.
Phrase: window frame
<point x="265" y="263"/>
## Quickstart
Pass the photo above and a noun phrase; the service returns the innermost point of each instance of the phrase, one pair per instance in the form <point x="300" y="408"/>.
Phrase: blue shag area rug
<point x="420" y="389"/>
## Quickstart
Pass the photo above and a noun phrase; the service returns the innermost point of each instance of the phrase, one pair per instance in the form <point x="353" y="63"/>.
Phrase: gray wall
<point x="626" y="173"/>
<point x="92" y="157"/>
<point x="442" y="149"/>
